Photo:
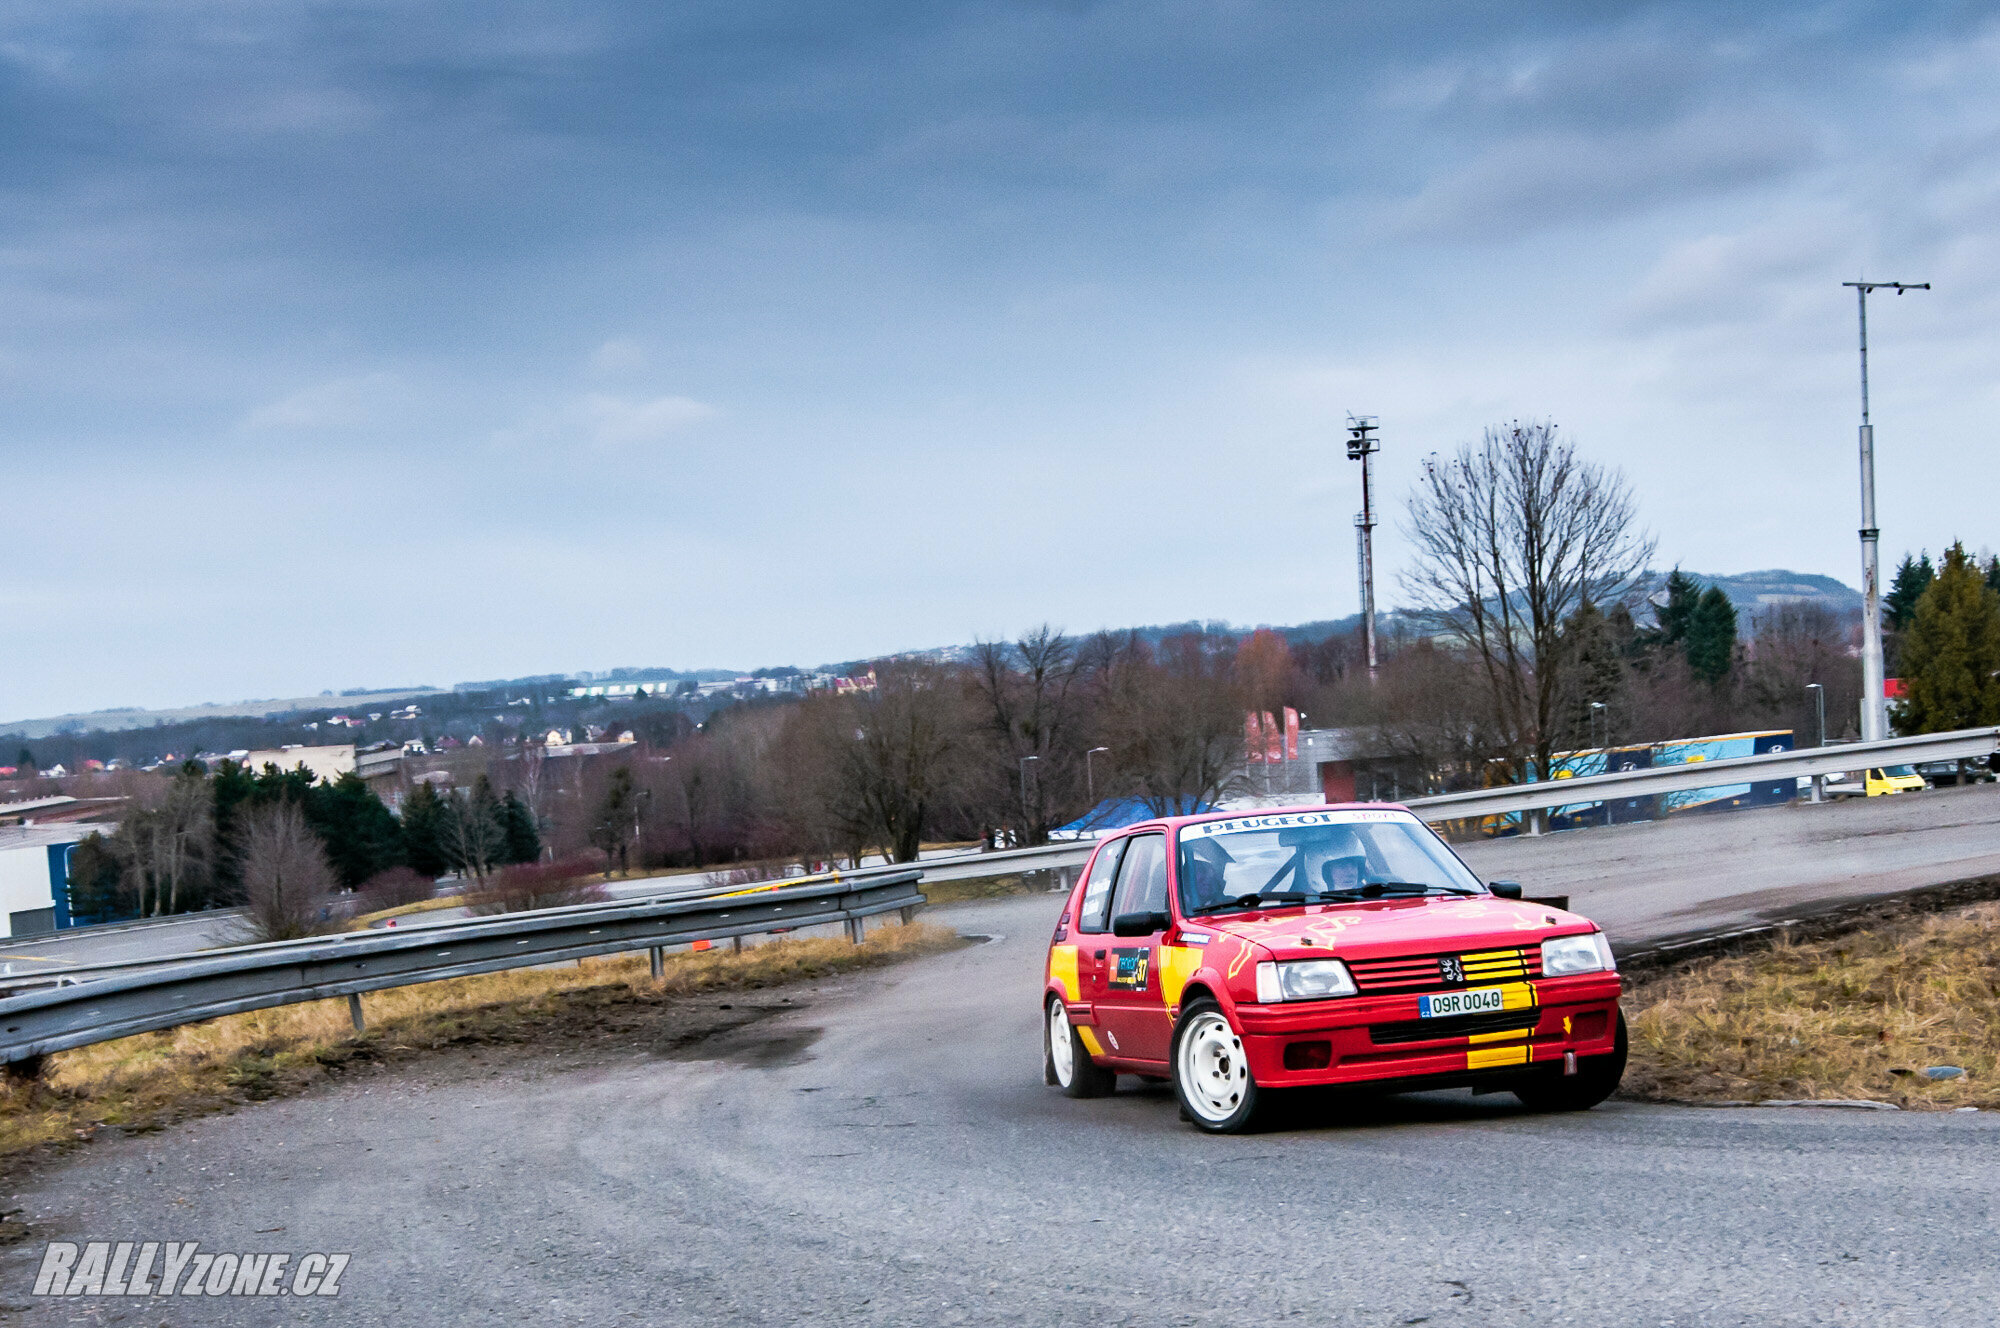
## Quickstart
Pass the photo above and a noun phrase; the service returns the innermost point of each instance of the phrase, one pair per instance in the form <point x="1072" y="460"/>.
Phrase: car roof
<point x="1176" y="822"/>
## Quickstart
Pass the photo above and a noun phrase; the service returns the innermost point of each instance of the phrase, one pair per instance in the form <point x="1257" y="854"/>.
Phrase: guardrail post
<point x="908" y="913"/>
<point x="659" y="953"/>
<point x="354" y="1012"/>
<point x="736" y="944"/>
<point x="854" y="930"/>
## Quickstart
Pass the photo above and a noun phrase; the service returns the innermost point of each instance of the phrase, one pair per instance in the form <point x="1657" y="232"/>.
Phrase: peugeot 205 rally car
<point x="1237" y="954"/>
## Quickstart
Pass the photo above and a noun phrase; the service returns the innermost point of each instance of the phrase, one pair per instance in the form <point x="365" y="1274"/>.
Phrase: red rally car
<point x="1238" y="954"/>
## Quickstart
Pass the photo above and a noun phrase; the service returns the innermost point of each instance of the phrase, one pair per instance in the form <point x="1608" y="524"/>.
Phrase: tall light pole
<point x="1874" y="706"/>
<point x="1026" y="812"/>
<point x="1819" y="709"/>
<point x="1089" y="784"/>
<point x="1362" y="445"/>
<point x="1598" y="708"/>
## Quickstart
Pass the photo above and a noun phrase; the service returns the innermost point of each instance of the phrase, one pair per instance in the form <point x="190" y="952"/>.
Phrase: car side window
<point x="1142" y="877"/>
<point x="1097" y="890"/>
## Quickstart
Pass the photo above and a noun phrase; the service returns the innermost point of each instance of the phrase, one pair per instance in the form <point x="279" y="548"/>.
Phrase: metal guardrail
<point x="1470" y="805"/>
<point x="100" y="1002"/>
<point x="1769" y="766"/>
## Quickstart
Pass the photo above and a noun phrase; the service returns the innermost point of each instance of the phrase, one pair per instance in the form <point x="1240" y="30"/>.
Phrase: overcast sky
<point x="372" y="344"/>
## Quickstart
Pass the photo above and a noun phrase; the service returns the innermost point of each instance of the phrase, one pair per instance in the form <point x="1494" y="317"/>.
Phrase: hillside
<point x="1751" y="592"/>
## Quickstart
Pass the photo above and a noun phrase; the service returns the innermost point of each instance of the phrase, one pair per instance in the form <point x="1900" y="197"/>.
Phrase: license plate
<point x="1461" y="1002"/>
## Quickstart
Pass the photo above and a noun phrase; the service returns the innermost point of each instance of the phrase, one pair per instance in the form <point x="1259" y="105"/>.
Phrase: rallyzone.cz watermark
<point x="181" y="1268"/>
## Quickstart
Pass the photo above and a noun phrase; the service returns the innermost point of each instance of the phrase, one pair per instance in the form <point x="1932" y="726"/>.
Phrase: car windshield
<point x="1290" y="858"/>
<point x="1899" y="772"/>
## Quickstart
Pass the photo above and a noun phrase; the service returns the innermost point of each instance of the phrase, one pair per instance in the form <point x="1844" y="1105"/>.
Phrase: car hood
<point x="1386" y="927"/>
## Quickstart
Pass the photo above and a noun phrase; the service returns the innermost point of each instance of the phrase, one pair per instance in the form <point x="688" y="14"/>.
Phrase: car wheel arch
<point x="1201" y="987"/>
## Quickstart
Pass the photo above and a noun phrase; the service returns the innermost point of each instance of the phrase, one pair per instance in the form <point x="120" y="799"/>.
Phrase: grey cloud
<point x="1549" y="182"/>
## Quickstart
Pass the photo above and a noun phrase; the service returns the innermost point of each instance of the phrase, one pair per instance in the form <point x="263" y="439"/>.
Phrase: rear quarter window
<point x="1097" y="889"/>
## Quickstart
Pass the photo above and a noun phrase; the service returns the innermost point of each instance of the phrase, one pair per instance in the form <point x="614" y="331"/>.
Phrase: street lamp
<point x="1025" y="813"/>
<point x="1874" y="706"/>
<point x="1598" y="708"/>
<point x="644" y="799"/>
<point x="1819" y="710"/>
<point x="1089" y="784"/>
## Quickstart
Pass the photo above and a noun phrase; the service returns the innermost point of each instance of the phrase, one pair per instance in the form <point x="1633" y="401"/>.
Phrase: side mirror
<point x="1505" y="889"/>
<point x="1138" y="924"/>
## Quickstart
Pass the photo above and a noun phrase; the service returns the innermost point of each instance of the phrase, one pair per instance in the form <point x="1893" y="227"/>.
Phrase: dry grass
<point x="985" y="887"/>
<point x="1856" y="1016"/>
<point x="361" y="922"/>
<point x="146" y="1081"/>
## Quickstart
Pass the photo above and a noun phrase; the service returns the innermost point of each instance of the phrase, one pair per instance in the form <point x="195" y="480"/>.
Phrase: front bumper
<point x="1372" y="1039"/>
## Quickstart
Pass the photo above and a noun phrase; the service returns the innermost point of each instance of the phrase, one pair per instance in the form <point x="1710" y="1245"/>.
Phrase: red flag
<point x="1291" y="734"/>
<point x="1253" y="741"/>
<point x="1274" y="745"/>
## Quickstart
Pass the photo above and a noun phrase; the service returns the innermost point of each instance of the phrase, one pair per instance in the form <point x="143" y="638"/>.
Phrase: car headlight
<point x="1304" y="980"/>
<point x="1565" y="955"/>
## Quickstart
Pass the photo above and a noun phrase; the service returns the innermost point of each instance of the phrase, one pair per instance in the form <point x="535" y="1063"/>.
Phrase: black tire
<point x="1212" y="1081"/>
<point x="1086" y="1078"/>
<point x="1596" y="1078"/>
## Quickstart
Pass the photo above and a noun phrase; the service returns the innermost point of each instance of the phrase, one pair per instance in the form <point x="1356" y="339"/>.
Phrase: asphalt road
<point x="1664" y="880"/>
<point x="884" y="1152"/>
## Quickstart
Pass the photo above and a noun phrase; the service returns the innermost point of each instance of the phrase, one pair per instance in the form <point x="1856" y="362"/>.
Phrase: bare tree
<point x="1425" y="715"/>
<point x="1033" y="692"/>
<point x="470" y="832"/>
<point x="1794" y="645"/>
<point x="1172" y="718"/>
<point x="166" y="844"/>
<point x="287" y="881"/>
<point x="906" y="760"/>
<point x="825" y="810"/>
<point x="1512" y="536"/>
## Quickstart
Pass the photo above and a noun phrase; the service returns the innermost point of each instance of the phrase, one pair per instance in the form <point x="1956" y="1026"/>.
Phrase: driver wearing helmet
<point x="1207" y="883"/>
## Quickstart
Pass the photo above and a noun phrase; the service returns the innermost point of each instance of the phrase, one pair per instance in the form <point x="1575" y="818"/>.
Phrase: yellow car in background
<point x="1875" y="782"/>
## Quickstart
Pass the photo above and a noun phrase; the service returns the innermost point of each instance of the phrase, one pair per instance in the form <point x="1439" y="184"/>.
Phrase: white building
<point x="324" y="763"/>
<point x="34" y="876"/>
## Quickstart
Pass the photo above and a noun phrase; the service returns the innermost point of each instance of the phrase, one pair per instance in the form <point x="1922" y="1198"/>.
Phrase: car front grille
<point x="1433" y="1030"/>
<point x="1381" y="977"/>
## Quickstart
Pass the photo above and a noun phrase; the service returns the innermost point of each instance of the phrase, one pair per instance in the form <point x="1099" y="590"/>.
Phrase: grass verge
<point x="985" y="887"/>
<point x="144" y="1082"/>
<point x="1860" y="1015"/>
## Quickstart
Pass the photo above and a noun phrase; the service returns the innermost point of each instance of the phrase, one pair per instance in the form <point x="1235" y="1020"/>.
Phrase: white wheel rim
<point x="1061" y="1055"/>
<point x="1214" y="1076"/>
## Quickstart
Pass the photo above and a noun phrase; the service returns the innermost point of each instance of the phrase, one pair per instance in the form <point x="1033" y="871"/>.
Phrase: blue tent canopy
<point x="1113" y="813"/>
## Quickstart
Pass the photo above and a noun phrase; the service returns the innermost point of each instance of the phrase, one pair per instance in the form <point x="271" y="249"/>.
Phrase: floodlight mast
<point x="1874" y="705"/>
<point x="1362" y="445"/>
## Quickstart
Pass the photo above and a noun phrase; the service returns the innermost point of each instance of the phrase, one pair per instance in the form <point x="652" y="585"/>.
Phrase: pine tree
<point x="423" y="816"/>
<point x="97" y="887"/>
<point x="1912" y="577"/>
<point x="1683" y="593"/>
<point x="234" y="789"/>
<point x="1951" y="652"/>
<point x="1711" y="637"/>
<point x="612" y="820"/>
<point x="517" y="823"/>
<point x="1598" y="666"/>
<point x="360" y="836"/>
<point x="1993" y="572"/>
